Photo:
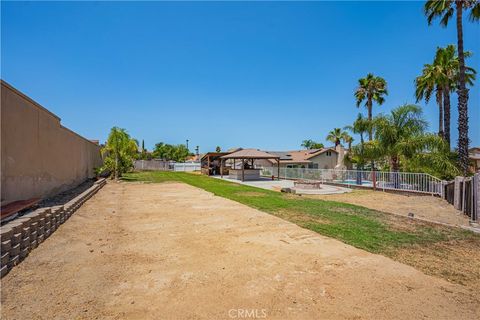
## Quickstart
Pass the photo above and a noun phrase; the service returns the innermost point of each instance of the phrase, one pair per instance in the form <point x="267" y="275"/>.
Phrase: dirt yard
<point x="425" y="207"/>
<point x="171" y="251"/>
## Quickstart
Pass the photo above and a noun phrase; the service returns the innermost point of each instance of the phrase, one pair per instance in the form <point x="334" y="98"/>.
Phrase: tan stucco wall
<point x="324" y="161"/>
<point x="39" y="156"/>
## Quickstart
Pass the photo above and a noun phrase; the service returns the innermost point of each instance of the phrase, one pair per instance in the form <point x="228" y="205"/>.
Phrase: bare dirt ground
<point x="426" y="207"/>
<point x="171" y="251"/>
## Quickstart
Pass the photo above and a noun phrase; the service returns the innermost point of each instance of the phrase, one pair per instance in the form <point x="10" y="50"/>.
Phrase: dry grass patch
<point x="300" y="218"/>
<point x="457" y="261"/>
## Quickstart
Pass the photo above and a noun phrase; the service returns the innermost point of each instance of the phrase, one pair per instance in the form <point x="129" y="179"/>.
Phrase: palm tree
<point x="349" y="140"/>
<point x="447" y="63"/>
<point x="119" y="151"/>
<point x="400" y="134"/>
<point x="310" y="144"/>
<point x="371" y="89"/>
<point x="336" y="136"/>
<point x="445" y="9"/>
<point x="442" y="76"/>
<point x="360" y="126"/>
<point x="425" y="84"/>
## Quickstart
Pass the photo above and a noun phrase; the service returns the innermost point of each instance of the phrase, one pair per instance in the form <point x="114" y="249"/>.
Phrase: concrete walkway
<point x="277" y="185"/>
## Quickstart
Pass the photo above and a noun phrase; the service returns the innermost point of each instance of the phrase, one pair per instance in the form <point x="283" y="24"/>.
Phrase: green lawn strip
<point x="358" y="226"/>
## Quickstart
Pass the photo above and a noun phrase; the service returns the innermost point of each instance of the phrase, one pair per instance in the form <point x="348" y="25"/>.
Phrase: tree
<point x="218" y="149"/>
<point x="447" y="62"/>
<point x="169" y="152"/>
<point x="310" y="144"/>
<point x="371" y="89"/>
<point x="357" y="155"/>
<point x="181" y="153"/>
<point x="401" y="134"/>
<point x="442" y="76"/>
<point x="445" y="9"/>
<point x="336" y="136"/>
<point x="119" y="151"/>
<point x="425" y="84"/>
<point x="349" y="140"/>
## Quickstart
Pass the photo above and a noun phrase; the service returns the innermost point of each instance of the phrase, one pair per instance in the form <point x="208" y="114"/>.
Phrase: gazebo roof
<point x="214" y="154"/>
<point x="250" y="154"/>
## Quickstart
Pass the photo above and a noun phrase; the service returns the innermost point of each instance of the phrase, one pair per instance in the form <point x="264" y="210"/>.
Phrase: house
<point x="325" y="158"/>
<point x="474" y="156"/>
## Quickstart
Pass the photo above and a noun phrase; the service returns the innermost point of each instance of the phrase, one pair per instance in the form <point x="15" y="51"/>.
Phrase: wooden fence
<point x="154" y="165"/>
<point x="464" y="194"/>
<point x="160" y="165"/>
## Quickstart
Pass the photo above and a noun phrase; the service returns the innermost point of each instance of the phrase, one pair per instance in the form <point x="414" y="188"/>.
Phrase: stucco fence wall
<point x="39" y="156"/>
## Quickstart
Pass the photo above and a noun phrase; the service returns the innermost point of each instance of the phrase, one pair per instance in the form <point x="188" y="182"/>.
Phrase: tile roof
<point x="250" y="154"/>
<point x="299" y="156"/>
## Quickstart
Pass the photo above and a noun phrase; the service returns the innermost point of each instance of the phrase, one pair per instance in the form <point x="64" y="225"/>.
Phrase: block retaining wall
<point x="22" y="235"/>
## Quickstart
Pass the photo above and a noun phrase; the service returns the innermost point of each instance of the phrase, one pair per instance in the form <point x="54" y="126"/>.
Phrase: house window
<point x="329" y="153"/>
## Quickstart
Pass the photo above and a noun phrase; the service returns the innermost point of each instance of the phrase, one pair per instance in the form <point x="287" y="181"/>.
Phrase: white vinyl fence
<point x="187" y="166"/>
<point x="401" y="181"/>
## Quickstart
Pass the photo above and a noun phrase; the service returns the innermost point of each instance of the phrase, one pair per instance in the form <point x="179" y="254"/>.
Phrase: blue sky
<point x="252" y="74"/>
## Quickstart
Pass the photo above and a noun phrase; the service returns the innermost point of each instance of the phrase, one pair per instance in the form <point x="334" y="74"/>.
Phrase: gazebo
<point x="210" y="163"/>
<point x="247" y="158"/>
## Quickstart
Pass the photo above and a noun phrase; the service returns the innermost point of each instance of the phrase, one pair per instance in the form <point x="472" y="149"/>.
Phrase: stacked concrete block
<point x="27" y="232"/>
<point x="34" y="225"/>
<point x="58" y="216"/>
<point x="6" y="233"/>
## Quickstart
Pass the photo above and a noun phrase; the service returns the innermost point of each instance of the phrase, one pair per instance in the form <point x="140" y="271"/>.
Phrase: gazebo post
<point x="221" y="168"/>
<point x="243" y="170"/>
<point x="208" y="165"/>
<point x="278" y="169"/>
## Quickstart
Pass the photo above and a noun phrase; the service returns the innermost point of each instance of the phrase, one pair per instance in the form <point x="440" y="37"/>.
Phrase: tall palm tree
<point x="349" y="140"/>
<point x="425" y="85"/>
<point x="371" y="89"/>
<point x="336" y="136"/>
<point x="447" y="64"/>
<point x="445" y="9"/>
<point x="360" y="126"/>
<point x="442" y="77"/>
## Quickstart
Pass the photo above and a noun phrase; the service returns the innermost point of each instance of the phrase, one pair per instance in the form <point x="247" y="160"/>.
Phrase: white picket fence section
<point x="401" y="181"/>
